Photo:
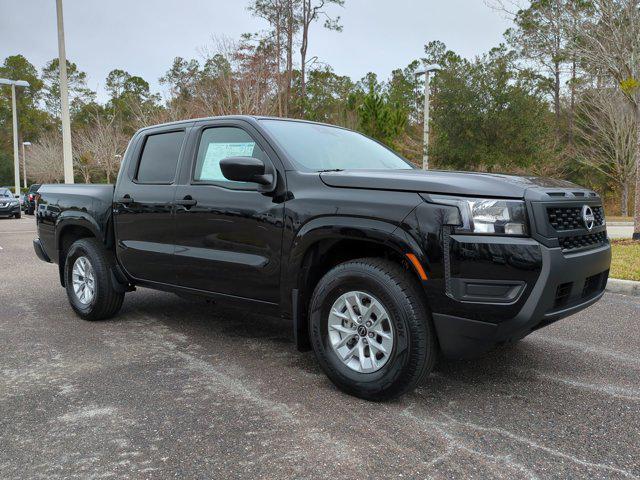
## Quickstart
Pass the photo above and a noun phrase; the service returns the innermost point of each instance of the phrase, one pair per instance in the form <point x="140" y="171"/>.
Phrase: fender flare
<point x="347" y="228"/>
<point x="336" y="228"/>
<point x="77" y="218"/>
<point x="74" y="218"/>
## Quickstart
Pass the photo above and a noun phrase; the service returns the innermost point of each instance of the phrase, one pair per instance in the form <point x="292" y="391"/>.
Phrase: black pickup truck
<point x="380" y="267"/>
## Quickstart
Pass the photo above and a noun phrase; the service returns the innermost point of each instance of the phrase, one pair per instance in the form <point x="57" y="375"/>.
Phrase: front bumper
<point x="10" y="211"/>
<point x="567" y="284"/>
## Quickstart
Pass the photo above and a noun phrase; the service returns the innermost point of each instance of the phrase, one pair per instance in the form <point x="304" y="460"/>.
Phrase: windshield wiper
<point x="331" y="170"/>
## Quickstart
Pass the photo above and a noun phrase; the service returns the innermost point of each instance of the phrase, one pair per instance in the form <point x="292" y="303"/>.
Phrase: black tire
<point x="106" y="300"/>
<point x="415" y="348"/>
<point x="18" y="215"/>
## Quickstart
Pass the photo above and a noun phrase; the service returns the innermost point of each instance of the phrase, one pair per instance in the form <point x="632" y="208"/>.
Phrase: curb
<point x="625" y="287"/>
<point x="620" y="224"/>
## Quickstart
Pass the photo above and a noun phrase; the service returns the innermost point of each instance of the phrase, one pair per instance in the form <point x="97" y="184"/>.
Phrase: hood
<point x="443" y="182"/>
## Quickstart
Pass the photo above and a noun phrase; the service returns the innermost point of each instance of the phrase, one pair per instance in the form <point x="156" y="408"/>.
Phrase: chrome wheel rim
<point x="360" y="332"/>
<point x="83" y="280"/>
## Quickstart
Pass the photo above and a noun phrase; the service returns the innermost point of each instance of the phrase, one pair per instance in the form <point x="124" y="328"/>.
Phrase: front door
<point x="228" y="234"/>
<point x="143" y="206"/>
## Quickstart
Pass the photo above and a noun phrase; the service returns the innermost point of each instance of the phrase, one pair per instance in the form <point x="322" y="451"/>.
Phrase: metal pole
<point x="24" y="167"/>
<point x="64" y="100"/>
<point x="16" y="156"/>
<point x="425" y="154"/>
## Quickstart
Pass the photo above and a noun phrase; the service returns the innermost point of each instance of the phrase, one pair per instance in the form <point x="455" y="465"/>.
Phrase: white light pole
<point x="14" y="107"/>
<point x="426" y="72"/>
<point x="24" y="163"/>
<point x="64" y="99"/>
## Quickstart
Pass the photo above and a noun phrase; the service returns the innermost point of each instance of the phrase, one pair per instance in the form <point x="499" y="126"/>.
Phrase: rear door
<point x="143" y="205"/>
<point x="228" y="234"/>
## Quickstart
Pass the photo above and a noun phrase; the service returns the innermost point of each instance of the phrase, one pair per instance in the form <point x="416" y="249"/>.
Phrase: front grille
<point x="576" y="242"/>
<point x="598" y="212"/>
<point x="594" y="284"/>
<point x="570" y="294"/>
<point x="570" y="218"/>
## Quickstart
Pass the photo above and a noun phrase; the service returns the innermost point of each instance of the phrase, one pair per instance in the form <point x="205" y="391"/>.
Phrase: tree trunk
<point x="624" y="199"/>
<point x="572" y="101"/>
<point x="303" y="80"/>
<point x="556" y="96"/>
<point x="279" y="59"/>
<point x="306" y="21"/>
<point x="636" y="209"/>
<point x="289" y="74"/>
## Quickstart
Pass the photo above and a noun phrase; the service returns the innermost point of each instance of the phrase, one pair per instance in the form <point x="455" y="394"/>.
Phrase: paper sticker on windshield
<point x="218" y="151"/>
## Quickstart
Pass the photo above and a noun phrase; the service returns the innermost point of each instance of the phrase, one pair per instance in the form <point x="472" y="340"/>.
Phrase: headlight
<point x="488" y="216"/>
<point x="13" y="202"/>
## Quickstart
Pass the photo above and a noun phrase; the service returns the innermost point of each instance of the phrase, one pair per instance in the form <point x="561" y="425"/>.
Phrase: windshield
<point x="34" y="188"/>
<point x="322" y="147"/>
<point x="6" y="193"/>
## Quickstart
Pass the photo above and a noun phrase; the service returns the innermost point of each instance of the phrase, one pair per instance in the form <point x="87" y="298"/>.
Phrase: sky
<point x="144" y="36"/>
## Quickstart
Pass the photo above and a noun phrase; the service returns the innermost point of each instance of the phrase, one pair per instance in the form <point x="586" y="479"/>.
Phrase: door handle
<point x="186" y="202"/>
<point x="126" y="199"/>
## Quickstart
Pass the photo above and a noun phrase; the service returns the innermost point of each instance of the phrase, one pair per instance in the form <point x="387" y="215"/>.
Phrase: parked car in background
<point x="9" y="205"/>
<point x="29" y="199"/>
<point x="11" y="188"/>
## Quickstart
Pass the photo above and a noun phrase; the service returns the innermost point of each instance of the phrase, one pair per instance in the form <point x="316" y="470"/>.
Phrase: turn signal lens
<point x="416" y="264"/>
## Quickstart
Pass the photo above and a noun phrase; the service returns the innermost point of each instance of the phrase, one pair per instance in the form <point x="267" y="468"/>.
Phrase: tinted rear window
<point x="159" y="158"/>
<point x="34" y="188"/>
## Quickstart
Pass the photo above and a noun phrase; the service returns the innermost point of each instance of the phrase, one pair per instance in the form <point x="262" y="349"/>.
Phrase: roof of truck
<point x="234" y="117"/>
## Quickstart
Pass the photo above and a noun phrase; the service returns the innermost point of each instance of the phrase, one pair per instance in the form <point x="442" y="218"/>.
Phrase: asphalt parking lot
<point x="172" y="388"/>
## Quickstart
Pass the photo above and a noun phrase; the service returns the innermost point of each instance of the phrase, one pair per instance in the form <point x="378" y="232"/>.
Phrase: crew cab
<point x="380" y="267"/>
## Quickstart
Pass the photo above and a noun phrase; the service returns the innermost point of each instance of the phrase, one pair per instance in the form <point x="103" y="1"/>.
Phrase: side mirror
<point x="245" y="169"/>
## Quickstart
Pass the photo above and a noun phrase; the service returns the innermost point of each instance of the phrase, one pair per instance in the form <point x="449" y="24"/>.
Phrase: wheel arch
<point x="326" y="242"/>
<point x="72" y="226"/>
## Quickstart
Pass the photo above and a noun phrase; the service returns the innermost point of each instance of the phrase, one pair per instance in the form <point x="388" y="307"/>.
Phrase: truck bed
<point x="81" y="205"/>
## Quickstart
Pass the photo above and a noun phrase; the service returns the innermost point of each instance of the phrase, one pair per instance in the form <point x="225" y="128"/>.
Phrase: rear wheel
<point x="371" y="330"/>
<point x="88" y="280"/>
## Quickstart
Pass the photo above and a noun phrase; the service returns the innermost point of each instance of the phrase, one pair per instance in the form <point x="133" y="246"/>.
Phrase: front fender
<point x="344" y="228"/>
<point x="334" y="228"/>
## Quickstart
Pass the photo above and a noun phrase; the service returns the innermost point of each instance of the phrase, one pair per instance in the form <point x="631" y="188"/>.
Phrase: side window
<point x="221" y="142"/>
<point x="159" y="158"/>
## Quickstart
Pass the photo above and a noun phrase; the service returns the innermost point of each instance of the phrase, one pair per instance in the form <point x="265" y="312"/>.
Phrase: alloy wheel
<point x="360" y="332"/>
<point x="83" y="280"/>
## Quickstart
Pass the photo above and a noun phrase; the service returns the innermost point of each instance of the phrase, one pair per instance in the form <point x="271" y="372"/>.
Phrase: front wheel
<point x="88" y="280"/>
<point x="371" y="330"/>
